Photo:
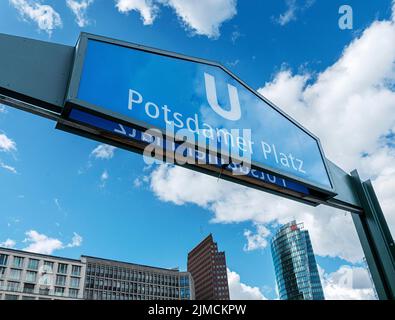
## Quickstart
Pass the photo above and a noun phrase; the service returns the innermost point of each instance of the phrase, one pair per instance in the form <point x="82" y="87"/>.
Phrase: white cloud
<point x="241" y="291"/>
<point x="257" y="240"/>
<point x="236" y="34"/>
<point x="293" y="7"/>
<point x="9" y="243"/>
<point x="289" y="14"/>
<point x="8" y="167"/>
<point x="137" y="183"/>
<point x="40" y="243"/>
<point x="3" y="108"/>
<point x="57" y="204"/>
<point x="103" y="151"/>
<point x="347" y="283"/>
<point x="233" y="63"/>
<point x="76" y="241"/>
<point x="45" y="16"/>
<point x="147" y="9"/>
<point x="140" y="181"/>
<point x="79" y="9"/>
<point x="332" y="232"/>
<point x="103" y="178"/>
<point x="350" y="106"/>
<point x="204" y="17"/>
<point x="6" y="144"/>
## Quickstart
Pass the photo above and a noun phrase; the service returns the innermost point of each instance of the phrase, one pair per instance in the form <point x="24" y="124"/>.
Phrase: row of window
<point x="118" y="286"/>
<point x="33" y="264"/>
<point x="31" y="289"/>
<point x="32" y="276"/>
<point x="104" y="295"/>
<point x="131" y="275"/>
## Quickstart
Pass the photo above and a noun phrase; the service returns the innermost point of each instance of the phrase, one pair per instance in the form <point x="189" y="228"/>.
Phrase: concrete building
<point x="208" y="268"/>
<point x="31" y="276"/>
<point x="294" y="263"/>
<point x="116" y="280"/>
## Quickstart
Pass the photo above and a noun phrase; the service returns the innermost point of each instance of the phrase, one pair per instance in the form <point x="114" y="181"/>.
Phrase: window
<point x="33" y="264"/>
<point x="60" y="280"/>
<point x="28" y="298"/>
<point x="75" y="270"/>
<point x="3" y="259"/>
<point x="59" y="291"/>
<point x="31" y="276"/>
<point x="74" y="282"/>
<point x="62" y="268"/>
<point x="15" y="274"/>
<point x="11" y="297"/>
<point x="44" y="291"/>
<point x="73" y="293"/>
<point x="13" y="286"/>
<point x="18" y="262"/>
<point x="46" y="279"/>
<point x="48" y="267"/>
<point x="2" y="272"/>
<point x="28" y="288"/>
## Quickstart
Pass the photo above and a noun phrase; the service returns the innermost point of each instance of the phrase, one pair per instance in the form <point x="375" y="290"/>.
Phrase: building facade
<point x="294" y="263"/>
<point x="31" y="276"/>
<point x="115" y="280"/>
<point x="208" y="269"/>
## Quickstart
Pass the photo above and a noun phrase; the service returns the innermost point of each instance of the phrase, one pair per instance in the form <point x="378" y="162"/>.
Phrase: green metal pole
<point x="376" y="240"/>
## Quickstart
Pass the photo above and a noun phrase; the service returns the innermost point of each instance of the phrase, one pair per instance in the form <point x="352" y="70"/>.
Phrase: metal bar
<point x="24" y="106"/>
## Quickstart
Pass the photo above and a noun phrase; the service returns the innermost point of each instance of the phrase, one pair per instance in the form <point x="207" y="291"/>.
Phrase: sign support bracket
<point x="375" y="237"/>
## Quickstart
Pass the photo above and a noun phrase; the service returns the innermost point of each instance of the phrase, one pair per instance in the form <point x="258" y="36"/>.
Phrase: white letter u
<point x="235" y="111"/>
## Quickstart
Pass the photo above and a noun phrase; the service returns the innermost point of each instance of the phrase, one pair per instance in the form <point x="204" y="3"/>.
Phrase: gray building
<point x="31" y="276"/>
<point x="116" y="280"/>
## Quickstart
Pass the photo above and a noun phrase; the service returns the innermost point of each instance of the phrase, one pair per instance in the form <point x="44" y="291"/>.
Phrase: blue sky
<point x="56" y="183"/>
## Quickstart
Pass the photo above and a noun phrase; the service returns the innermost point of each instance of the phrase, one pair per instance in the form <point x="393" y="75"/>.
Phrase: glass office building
<point x="294" y="263"/>
<point x="116" y="280"/>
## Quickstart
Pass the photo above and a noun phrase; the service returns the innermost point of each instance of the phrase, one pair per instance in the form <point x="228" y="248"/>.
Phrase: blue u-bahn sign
<point x="146" y="88"/>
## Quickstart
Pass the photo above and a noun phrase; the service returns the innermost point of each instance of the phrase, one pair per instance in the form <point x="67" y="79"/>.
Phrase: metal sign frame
<point x="73" y="102"/>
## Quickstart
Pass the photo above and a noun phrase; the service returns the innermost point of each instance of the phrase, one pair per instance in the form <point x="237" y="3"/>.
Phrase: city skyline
<point x="67" y="195"/>
<point x="30" y="276"/>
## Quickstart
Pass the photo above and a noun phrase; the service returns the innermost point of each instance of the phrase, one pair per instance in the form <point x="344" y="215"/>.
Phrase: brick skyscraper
<point x="208" y="269"/>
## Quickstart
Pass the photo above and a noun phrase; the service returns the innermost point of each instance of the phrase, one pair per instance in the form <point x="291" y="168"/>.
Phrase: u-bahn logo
<point x="234" y="113"/>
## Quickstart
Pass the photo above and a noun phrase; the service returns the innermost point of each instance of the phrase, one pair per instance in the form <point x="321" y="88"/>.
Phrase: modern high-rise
<point x="32" y="276"/>
<point x="294" y="263"/>
<point x="116" y="280"/>
<point x="208" y="269"/>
